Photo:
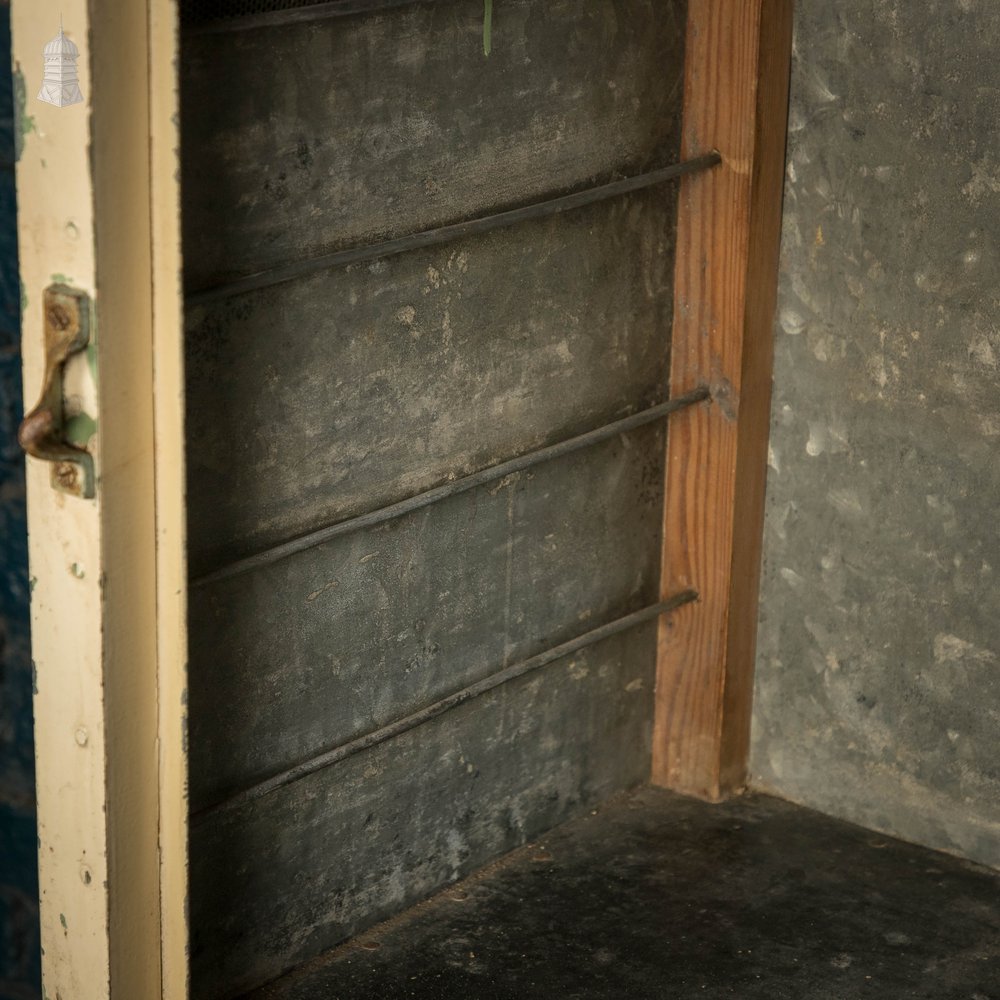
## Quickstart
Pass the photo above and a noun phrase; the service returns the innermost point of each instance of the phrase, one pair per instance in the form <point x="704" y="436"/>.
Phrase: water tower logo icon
<point x="60" y="85"/>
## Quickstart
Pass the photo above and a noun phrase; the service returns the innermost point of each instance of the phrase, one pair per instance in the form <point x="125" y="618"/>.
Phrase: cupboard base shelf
<point x="657" y="896"/>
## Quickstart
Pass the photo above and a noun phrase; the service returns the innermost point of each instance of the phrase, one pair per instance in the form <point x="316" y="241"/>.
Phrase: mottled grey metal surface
<point x="878" y="692"/>
<point x="342" y="392"/>
<point x="331" y="395"/>
<point x="311" y="137"/>
<point x="341" y="640"/>
<point x="301" y="870"/>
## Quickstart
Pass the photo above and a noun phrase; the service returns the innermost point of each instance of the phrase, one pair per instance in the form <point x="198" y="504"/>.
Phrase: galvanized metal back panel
<point x="287" y="877"/>
<point x="313" y="136"/>
<point x="325" y="396"/>
<point x="353" y="634"/>
<point x="878" y="689"/>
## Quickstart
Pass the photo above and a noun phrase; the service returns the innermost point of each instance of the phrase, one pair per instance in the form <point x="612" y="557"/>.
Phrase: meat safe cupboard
<point x="419" y="506"/>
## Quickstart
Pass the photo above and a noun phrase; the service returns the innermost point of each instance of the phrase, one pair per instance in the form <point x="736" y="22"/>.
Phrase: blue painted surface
<point x="19" y="947"/>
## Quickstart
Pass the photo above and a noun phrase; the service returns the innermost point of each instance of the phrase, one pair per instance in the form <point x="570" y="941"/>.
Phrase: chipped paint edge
<point x="54" y="183"/>
<point x="171" y="526"/>
<point x="101" y="662"/>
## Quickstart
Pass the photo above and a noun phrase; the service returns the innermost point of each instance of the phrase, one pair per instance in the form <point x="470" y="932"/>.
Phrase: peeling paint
<point x="24" y="124"/>
<point x="80" y="429"/>
<point x="92" y="361"/>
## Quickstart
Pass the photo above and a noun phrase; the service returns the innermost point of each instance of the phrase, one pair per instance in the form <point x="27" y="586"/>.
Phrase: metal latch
<point x="42" y="433"/>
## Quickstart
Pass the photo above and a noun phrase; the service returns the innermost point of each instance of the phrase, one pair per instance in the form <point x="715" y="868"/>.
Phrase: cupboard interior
<point x="405" y="665"/>
<point x="320" y="391"/>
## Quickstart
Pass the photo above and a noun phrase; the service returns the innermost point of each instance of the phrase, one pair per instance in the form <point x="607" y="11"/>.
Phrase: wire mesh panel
<point x="205" y="11"/>
<point x="422" y="284"/>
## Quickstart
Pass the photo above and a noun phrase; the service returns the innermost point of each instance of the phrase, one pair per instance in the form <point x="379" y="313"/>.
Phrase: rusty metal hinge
<point x="42" y="433"/>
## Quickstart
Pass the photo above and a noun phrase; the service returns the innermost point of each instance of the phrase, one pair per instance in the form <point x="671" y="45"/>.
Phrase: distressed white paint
<point x="171" y="548"/>
<point x="54" y="186"/>
<point x="105" y="771"/>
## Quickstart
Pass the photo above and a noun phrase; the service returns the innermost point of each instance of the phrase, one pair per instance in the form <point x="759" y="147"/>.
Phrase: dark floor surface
<point x="662" y="897"/>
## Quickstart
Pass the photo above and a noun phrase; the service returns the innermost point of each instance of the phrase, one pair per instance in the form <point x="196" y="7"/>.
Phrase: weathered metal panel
<point x="294" y="873"/>
<point x="321" y="398"/>
<point x="310" y="137"/>
<point x="330" y="395"/>
<point x="878" y="695"/>
<point x="346" y="637"/>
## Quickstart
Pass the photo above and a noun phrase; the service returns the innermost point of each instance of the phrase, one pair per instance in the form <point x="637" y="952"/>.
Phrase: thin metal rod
<point x="451" y="489"/>
<point x="447" y="234"/>
<point x="336" y="754"/>
<point x="294" y="15"/>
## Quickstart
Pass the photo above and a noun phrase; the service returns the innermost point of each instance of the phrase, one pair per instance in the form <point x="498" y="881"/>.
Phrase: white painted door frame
<point x="98" y="210"/>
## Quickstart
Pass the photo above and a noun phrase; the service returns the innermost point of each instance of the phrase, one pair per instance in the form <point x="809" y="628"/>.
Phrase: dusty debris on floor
<point x="657" y="896"/>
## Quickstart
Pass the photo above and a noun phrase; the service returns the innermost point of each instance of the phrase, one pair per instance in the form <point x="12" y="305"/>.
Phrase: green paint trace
<point x="77" y="570"/>
<point x="488" y="28"/>
<point x="61" y="279"/>
<point x="92" y="360"/>
<point x="23" y="122"/>
<point x="80" y="429"/>
<point x="62" y="920"/>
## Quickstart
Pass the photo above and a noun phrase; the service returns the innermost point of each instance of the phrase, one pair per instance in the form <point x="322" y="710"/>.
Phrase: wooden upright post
<point x="736" y="101"/>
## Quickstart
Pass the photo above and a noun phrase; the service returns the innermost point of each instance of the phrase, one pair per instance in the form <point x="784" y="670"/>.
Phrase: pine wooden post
<point x="736" y="99"/>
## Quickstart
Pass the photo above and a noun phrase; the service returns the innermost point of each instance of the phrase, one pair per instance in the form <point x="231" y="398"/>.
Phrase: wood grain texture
<point x="736" y="99"/>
